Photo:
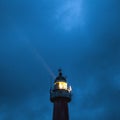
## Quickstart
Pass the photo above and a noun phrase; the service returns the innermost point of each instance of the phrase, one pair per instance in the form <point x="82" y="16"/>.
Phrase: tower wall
<point x="60" y="110"/>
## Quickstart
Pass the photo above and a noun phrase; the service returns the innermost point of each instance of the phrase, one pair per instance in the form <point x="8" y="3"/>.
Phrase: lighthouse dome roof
<point x="60" y="77"/>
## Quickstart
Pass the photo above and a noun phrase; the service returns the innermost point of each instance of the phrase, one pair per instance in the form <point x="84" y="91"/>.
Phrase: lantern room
<point x="60" y="88"/>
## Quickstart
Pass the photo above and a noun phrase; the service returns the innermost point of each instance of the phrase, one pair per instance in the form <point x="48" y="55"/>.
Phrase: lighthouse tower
<point x="60" y="95"/>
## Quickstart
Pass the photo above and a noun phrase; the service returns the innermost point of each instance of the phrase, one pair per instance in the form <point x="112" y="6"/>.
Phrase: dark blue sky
<point x="80" y="36"/>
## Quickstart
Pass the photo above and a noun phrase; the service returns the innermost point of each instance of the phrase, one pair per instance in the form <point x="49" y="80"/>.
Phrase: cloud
<point x="69" y="15"/>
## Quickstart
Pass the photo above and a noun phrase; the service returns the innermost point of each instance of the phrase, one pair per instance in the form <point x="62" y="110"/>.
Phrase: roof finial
<point x="60" y="72"/>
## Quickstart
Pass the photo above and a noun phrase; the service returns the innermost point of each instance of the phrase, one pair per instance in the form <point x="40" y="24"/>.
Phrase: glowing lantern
<point x="61" y="85"/>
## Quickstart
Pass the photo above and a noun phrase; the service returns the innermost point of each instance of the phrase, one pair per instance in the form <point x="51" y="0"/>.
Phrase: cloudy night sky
<point x="37" y="37"/>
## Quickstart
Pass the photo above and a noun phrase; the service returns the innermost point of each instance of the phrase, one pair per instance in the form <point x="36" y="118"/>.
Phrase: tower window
<point x="61" y="85"/>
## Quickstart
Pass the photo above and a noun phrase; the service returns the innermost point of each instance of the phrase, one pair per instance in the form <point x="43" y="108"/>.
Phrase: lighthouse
<point x="60" y="95"/>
